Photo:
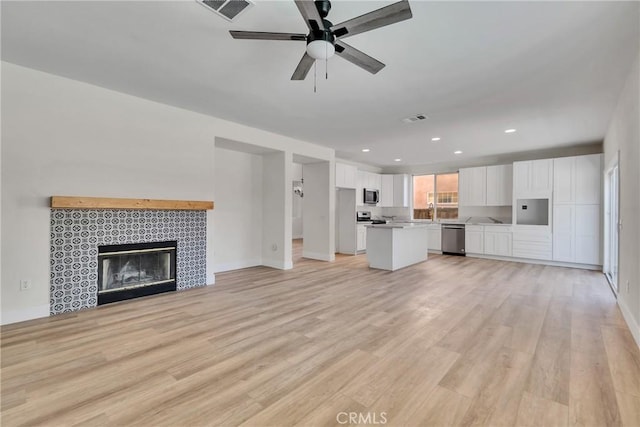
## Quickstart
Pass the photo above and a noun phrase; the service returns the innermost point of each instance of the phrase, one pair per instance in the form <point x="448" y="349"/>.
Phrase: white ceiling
<point x="552" y="70"/>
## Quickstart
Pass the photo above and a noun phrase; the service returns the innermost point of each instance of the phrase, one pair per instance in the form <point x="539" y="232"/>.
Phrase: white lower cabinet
<point x="576" y="234"/>
<point x="533" y="242"/>
<point x="474" y="239"/>
<point x="564" y="217"/>
<point x="498" y="241"/>
<point x="434" y="233"/>
<point x="361" y="238"/>
<point x="588" y="234"/>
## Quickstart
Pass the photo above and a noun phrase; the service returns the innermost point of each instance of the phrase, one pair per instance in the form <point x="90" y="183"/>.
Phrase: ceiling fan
<point x="325" y="39"/>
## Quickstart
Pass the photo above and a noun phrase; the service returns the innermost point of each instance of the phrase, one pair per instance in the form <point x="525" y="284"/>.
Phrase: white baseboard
<point x="288" y="265"/>
<point x="319" y="256"/>
<point x="15" y="316"/>
<point x="539" y="261"/>
<point x="237" y="265"/>
<point x="631" y="322"/>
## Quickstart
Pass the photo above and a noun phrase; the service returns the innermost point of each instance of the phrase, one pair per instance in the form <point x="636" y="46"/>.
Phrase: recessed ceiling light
<point x="435" y="139"/>
<point x="365" y="150"/>
<point x="397" y="160"/>
<point x="509" y="131"/>
<point x="457" y="152"/>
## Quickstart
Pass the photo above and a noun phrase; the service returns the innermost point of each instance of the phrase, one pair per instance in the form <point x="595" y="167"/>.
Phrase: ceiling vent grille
<point x="228" y="9"/>
<point x="416" y="118"/>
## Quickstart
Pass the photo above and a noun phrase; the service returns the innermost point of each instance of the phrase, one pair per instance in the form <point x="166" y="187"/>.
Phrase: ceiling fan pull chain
<point x="326" y="62"/>
<point x="315" y="76"/>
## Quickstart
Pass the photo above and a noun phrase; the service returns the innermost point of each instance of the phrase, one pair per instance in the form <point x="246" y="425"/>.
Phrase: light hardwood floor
<point x="452" y="341"/>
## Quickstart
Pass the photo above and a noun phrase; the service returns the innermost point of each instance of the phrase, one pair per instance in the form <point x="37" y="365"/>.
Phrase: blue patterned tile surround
<point x="77" y="233"/>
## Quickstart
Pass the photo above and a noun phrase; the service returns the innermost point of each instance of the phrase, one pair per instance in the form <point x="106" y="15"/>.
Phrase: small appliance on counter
<point x="363" y="216"/>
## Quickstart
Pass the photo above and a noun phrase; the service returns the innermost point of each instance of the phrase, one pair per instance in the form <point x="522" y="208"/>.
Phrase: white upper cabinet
<point x="472" y="186"/>
<point x="361" y="182"/>
<point x="532" y="178"/>
<point x="588" y="179"/>
<point x="386" y="191"/>
<point x="577" y="180"/>
<point x="401" y="190"/>
<point x="486" y="186"/>
<point x="366" y="180"/>
<point x="346" y="176"/>
<point x="375" y="181"/>
<point x="499" y="185"/>
<point x="394" y="191"/>
<point x="564" y="174"/>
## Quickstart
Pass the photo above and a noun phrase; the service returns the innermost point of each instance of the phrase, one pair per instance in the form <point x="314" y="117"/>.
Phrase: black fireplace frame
<point x="125" y="294"/>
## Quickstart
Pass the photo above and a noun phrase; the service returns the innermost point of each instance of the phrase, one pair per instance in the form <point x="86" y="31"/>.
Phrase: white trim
<point x="539" y="261"/>
<point x="14" y="316"/>
<point x="237" y="265"/>
<point x="631" y="322"/>
<point x="319" y="256"/>
<point x="288" y="265"/>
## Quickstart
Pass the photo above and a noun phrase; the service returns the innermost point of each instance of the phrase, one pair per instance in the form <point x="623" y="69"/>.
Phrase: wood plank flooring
<point x="452" y="341"/>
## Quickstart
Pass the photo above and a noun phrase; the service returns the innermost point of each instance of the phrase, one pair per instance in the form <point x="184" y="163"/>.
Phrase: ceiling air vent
<point x="416" y="118"/>
<point x="228" y="9"/>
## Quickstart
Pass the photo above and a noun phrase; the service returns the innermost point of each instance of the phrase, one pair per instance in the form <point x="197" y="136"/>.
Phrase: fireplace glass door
<point x="130" y="269"/>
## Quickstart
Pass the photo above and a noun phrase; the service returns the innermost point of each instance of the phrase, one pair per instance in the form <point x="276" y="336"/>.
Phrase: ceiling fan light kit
<point x="325" y="39"/>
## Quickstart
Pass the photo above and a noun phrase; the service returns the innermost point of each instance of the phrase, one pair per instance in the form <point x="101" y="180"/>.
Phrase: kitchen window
<point x="435" y="196"/>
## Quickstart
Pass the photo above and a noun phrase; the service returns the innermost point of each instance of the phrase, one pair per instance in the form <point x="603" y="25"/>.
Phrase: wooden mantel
<point x="70" y="202"/>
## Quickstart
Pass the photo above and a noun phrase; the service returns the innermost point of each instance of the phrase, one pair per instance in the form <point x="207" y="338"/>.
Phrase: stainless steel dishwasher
<point x="453" y="239"/>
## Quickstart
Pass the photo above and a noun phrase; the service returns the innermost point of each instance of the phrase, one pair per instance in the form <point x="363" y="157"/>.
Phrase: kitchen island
<point x="394" y="246"/>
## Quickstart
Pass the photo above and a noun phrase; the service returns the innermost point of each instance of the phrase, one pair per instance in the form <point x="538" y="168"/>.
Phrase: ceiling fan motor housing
<point x="324" y="34"/>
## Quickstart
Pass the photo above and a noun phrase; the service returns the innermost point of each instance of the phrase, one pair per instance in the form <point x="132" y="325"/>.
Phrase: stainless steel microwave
<point x="371" y="196"/>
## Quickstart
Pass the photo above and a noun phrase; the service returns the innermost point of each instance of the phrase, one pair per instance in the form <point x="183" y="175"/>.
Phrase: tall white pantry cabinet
<point x="577" y="207"/>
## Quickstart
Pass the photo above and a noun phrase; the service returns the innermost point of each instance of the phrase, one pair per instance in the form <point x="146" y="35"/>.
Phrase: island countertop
<point x="399" y="225"/>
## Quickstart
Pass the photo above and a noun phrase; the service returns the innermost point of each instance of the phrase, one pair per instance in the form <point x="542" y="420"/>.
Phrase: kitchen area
<point x="541" y="211"/>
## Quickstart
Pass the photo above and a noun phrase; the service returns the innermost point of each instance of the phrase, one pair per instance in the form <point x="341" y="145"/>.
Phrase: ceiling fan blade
<point x="370" y="21"/>
<point x="258" y="35"/>
<point x="310" y="14"/>
<point x="303" y="67"/>
<point x="358" y="58"/>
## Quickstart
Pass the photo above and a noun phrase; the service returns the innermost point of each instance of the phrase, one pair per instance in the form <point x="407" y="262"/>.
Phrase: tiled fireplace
<point x="77" y="235"/>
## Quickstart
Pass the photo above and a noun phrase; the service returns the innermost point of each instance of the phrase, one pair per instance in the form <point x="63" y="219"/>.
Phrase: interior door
<point x="612" y="219"/>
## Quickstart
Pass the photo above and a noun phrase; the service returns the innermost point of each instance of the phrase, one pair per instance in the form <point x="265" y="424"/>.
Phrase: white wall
<point x="319" y="211"/>
<point x="296" y="204"/>
<point x="237" y="217"/>
<point x="64" y="137"/>
<point x="624" y="135"/>
<point x="276" y="210"/>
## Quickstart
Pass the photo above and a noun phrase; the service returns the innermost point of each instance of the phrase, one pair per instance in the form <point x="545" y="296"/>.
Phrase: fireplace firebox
<point x="135" y="270"/>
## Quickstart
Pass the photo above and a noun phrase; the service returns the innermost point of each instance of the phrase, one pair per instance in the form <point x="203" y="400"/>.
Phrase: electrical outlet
<point x="25" y="285"/>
